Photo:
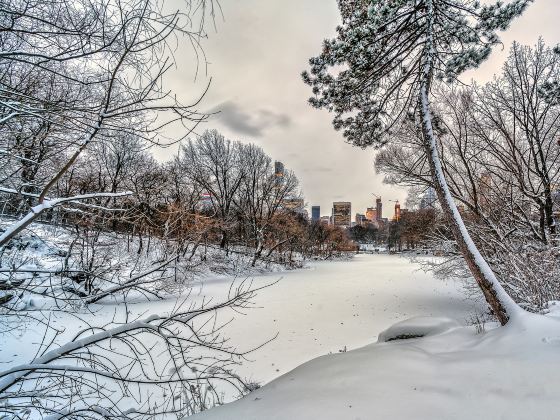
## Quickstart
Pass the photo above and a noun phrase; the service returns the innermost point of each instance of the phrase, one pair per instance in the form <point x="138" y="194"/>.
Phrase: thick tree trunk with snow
<point x="549" y="210"/>
<point x="257" y="254"/>
<point x="501" y="303"/>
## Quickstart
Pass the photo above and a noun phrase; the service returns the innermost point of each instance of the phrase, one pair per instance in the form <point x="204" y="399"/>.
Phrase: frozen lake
<point x="451" y="373"/>
<point x="329" y="306"/>
<point x="324" y="308"/>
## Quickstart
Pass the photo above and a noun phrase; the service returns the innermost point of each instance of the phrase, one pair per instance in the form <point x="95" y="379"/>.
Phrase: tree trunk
<point x="257" y="254"/>
<point x="501" y="303"/>
<point x="549" y="211"/>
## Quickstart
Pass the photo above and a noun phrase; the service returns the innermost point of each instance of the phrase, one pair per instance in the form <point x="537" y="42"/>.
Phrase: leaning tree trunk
<point x="501" y="303"/>
<point x="549" y="210"/>
<point x="258" y="248"/>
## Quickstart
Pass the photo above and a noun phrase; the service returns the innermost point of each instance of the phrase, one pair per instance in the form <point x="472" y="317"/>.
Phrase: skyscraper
<point x="379" y="209"/>
<point x="397" y="215"/>
<point x="278" y="168"/>
<point x="315" y="213"/>
<point x="361" y="219"/>
<point x="279" y="172"/>
<point x="429" y="199"/>
<point x="342" y="213"/>
<point x="371" y="214"/>
<point x="296" y="205"/>
<point x="555" y="190"/>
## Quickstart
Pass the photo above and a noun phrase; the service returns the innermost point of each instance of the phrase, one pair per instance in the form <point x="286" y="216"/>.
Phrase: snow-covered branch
<point x="47" y="204"/>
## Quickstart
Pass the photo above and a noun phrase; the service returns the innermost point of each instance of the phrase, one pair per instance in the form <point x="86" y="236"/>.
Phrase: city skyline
<point x="183" y="235"/>
<point x="258" y="96"/>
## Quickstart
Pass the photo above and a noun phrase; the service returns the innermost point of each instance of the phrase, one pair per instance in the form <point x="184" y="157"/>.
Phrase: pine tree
<point x="550" y="89"/>
<point x="379" y="70"/>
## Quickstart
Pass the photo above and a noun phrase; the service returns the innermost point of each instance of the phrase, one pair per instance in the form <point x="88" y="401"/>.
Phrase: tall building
<point x="397" y="215"/>
<point x="296" y="205"/>
<point x="555" y="191"/>
<point x="279" y="172"/>
<point x="361" y="219"/>
<point x="429" y="199"/>
<point x="371" y="214"/>
<point x="379" y="209"/>
<point x="204" y="202"/>
<point x="342" y="213"/>
<point x="315" y="213"/>
<point x="278" y="168"/>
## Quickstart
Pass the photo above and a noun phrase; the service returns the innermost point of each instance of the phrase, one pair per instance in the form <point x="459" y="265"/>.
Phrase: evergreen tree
<point x="379" y="70"/>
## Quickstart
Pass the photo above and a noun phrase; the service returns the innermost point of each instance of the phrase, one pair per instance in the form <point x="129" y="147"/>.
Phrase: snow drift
<point x="451" y="373"/>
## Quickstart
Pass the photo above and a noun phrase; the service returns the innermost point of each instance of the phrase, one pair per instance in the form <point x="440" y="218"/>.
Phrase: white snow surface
<point x="332" y="306"/>
<point x="508" y="373"/>
<point x="323" y="310"/>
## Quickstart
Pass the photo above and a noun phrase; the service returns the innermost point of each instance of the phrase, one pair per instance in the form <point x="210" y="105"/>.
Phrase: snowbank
<point x="452" y="373"/>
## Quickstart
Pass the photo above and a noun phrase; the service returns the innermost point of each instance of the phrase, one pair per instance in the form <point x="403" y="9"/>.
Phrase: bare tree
<point x="387" y="56"/>
<point x="262" y="195"/>
<point x="140" y="368"/>
<point x="85" y="71"/>
<point x="521" y="126"/>
<point x="213" y="163"/>
<point x="500" y="157"/>
<point x="81" y="95"/>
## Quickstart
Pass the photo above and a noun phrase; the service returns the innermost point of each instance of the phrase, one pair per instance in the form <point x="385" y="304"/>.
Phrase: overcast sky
<point x="254" y="61"/>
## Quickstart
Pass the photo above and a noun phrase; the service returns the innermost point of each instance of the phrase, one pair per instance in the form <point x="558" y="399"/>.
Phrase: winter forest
<point x="157" y="258"/>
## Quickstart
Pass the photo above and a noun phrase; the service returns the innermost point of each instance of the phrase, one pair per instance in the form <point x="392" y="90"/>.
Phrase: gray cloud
<point x="256" y="63"/>
<point x="234" y="117"/>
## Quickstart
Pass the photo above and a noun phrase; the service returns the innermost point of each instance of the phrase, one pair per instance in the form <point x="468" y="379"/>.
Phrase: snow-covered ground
<point x="453" y="372"/>
<point x="330" y="306"/>
<point x="319" y="309"/>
